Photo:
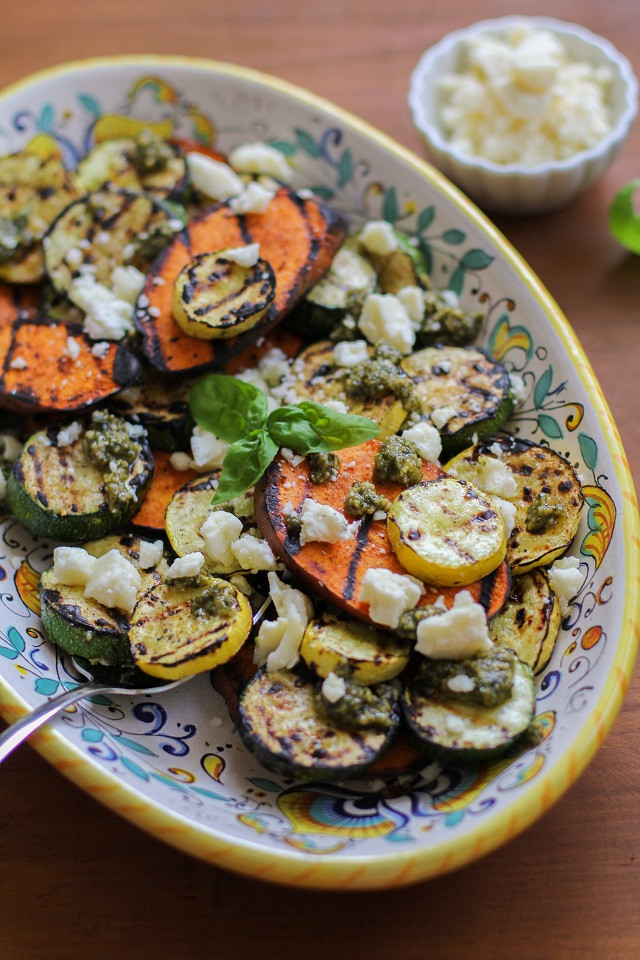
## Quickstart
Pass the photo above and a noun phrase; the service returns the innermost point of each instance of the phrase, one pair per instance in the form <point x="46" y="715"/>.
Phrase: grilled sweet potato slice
<point x="335" y="570"/>
<point x="297" y="237"/>
<point x="166" y="480"/>
<point x="39" y="374"/>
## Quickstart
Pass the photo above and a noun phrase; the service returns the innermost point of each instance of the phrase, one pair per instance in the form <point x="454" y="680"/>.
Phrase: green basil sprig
<point x="624" y="222"/>
<point x="237" y="412"/>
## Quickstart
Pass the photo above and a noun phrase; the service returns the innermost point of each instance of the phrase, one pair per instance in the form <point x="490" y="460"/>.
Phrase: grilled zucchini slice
<point x="173" y="635"/>
<point x="530" y="620"/>
<point x="189" y="508"/>
<point x="455" y="729"/>
<point x="280" y="721"/>
<point x="215" y="298"/>
<point x="403" y="267"/>
<point x="446" y="532"/>
<point x="331" y="643"/>
<point x="33" y="191"/>
<point x="163" y="413"/>
<point x="129" y="164"/>
<point x="318" y="377"/>
<point x="342" y="290"/>
<point x="539" y="473"/>
<point x="55" y="490"/>
<point x="468" y="383"/>
<point x="80" y="625"/>
<point x="106" y="229"/>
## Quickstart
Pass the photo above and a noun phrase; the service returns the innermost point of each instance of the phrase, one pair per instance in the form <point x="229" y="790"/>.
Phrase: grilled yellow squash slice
<point x="215" y="297"/>
<point x="446" y="532"/>
<point x="548" y="500"/>
<point x="331" y="642"/>
<point x="179" y="628"/>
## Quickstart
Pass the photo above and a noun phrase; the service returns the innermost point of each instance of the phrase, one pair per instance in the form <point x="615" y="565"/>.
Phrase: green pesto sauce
<point x="363" y="500"/>
<point x="380" y="375"/>
<point x="215" y="598"/>
<point x="397" y="461"/>
<point x="323" y="467"/>
<point x="156" y="240"/>
<point x="108" y="445"/>
<point x="361" y="707"/>
<point x="542" y="513"/>
<point x="446" y="324"/>
<point x="408" y="626"/>
<point x="293" y="523"/>
<point x="151" y="153"/>
<point x="492" y="676"/>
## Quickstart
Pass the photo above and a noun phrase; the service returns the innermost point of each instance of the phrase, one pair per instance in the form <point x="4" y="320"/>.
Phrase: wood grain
<point x="76" y="881"/>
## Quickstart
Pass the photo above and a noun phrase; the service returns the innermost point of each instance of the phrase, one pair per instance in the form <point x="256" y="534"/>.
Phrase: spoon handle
<point x="14" y="735"/>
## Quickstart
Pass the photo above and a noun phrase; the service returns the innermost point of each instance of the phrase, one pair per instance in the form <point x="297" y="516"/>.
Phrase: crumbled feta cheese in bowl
<point x="540" y="179"/>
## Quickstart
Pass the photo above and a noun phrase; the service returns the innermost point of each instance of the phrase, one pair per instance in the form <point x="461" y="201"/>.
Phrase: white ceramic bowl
<point x="174" y="764"/>
<point x="516" y="188"/>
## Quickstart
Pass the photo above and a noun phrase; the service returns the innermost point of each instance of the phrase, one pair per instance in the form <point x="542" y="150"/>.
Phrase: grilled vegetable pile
<point x="225" y="395"/>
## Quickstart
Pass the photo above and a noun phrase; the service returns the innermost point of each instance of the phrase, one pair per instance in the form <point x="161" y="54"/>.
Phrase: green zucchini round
<point x="469" y="381"/>
<point x="164" y="414"/>
<point x="56" y="491"/>
<point x="280" y="722"/>
<point x="453" y="729"/>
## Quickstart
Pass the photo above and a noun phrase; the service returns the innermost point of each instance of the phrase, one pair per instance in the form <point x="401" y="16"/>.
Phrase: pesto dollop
<point x="215" y="598"/>
<point x="363" y="500"/>
<point x="408" y="625"/>
<point x="486" y="680"/>
<point x="379" y="375"/>
<point x="293" y="523"/>
<point x="397" y="461"/>
<point x="13" y="235"/>
<point x="151" y="153"/>
<point x="108" y="445"/>
<point x="542" y="513"/>
<point x="323" y="467"/>
<point x="361" y="707"/>
<point x="444" y="323"/>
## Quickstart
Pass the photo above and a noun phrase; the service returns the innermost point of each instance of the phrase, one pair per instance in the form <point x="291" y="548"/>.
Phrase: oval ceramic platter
<point x="174" y="764"/>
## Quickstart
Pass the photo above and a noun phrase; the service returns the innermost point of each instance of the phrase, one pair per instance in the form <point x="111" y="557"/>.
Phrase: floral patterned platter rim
<point x="166" y="763"/>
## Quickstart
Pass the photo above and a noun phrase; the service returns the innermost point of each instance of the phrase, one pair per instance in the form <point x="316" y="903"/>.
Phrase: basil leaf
<point x="290" y="427"/>
<point x="624" y="221"/>
<point x="244" y="463"/>
<point x="227" y="407"/>
<point x="338" y="430"/>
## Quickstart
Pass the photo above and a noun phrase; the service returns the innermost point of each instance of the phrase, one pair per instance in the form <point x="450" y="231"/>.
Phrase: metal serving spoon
<point x="127" y="680"/>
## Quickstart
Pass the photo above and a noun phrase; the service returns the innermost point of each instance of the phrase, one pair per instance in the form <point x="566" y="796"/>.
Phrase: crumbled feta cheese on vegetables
<point x="441" y="416"/>
<point x="273" y="366"/>
<point x="206" y="449"/>
<point x="255" y="198"/>
<point x="188" y="566"/>
<point x="322" y="523"/>
<point x="107" y="317"/>
<point x="278" y="641"/>
<point x="244" y="256"/>
<point x="493" y="476"/>
<point x="456" y="634"/>
<point x="114" y="581"/>
<point x="72" y="565"/>
<point x="127" y="283"/>
<point x="219" y="531"/>
<point x="412" y="299"/>
<point x="378" y="237"/>
<point x="566" y="579"/>
<point x="212" y="177"/>
<point x="253" y="554"/>
<point x="385" y="320"/>
<point x="426" y="438"/>
<point x="333" y="688"/>
<point x="338" y="406"/>
<point x="18" y="363"/>
<point x="180" y="460"/>
<point x="69" y="434"/>
<point x="150" y="553"/>
<point x="507" y="511"/>
<point x="73" y="348"/>
<point x="350" y="353"/>
<point x="460" y="683"/>
<point x="389" y="595"/>
<point x="260" y="158"/>
<point x="100" y="349"/>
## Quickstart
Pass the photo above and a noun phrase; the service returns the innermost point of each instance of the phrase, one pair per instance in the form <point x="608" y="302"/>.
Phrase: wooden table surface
<point x="75" y="880"/>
